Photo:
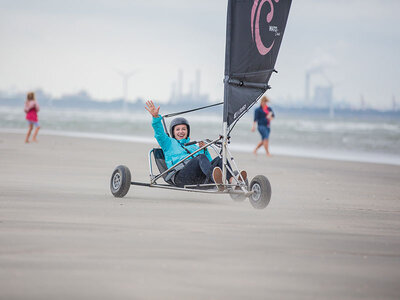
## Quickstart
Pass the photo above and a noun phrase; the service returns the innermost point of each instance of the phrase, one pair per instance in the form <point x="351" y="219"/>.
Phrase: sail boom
<point x="256" y="85"/>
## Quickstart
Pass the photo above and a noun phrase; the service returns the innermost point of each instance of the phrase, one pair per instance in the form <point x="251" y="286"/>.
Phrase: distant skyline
<point x="64" y="47"/>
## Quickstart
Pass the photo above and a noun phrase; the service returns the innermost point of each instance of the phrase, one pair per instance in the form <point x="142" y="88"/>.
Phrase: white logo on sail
<point x="274" y="29"/>
<point x="236" y="114"/>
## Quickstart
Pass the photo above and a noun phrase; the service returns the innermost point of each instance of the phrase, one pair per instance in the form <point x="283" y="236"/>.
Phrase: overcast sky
<point x="67" y="46"/>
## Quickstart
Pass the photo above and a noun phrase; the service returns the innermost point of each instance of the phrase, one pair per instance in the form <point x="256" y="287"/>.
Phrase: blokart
<point x="250" y="57"/>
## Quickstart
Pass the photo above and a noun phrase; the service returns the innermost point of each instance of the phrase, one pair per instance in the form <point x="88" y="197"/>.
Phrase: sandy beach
<point x="331" y="231"/>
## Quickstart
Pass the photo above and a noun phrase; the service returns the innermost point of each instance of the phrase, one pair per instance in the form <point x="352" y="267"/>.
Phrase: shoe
<point x="217" y="177"/>
<point x="243" y="173"/>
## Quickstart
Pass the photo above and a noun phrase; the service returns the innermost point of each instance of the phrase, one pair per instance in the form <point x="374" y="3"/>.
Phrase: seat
<point x="159" y="158"/>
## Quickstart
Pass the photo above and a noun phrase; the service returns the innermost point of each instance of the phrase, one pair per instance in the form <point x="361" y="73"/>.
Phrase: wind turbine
<point x="125" y="78"/>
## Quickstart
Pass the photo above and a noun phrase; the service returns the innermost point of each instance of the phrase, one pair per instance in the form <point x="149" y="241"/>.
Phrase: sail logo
<point x="236" y="114"/>
<point x="275" y="30"/>
<point x="255" y="25"/>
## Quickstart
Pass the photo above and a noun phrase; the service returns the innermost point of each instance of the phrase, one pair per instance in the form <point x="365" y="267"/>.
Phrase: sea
<point x="352" y="137"/>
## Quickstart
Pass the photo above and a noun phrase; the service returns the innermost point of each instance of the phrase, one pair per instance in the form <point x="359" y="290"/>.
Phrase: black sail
<point x="253" y="37"/>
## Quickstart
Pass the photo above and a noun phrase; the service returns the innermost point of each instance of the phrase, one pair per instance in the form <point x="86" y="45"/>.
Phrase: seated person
<point x="198" y="169"/>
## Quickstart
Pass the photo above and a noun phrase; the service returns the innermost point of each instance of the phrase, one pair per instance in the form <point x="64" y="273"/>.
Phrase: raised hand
<point x="152" y="109"/>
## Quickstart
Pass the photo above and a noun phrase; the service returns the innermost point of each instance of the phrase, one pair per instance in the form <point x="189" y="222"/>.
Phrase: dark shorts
<point x="264" y="131"/>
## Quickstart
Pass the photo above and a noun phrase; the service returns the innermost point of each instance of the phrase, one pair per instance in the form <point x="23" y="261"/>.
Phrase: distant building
<point x="193" y="97"/>
<point x="323" y="97"/>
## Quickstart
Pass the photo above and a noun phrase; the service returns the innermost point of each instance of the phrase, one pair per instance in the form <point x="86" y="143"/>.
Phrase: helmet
<point x="178" y="121"/>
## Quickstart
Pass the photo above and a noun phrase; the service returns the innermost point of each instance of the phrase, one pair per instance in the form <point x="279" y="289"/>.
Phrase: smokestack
<point x="179" y="85"/>
<point x="307" y="88"/>
<point x="197" y="84"/>
<point x="362" y="102"/>
<point x="173" y="92"/>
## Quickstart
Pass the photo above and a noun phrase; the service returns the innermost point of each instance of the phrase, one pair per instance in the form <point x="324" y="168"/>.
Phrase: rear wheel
<point x="120" y="181"/>
<point x="261" y="189"/>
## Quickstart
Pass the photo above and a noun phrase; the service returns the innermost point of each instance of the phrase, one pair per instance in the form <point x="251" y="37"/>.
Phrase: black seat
<point x="159" y="157"/>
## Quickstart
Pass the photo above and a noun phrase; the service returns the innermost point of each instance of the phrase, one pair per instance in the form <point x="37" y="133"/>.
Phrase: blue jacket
<point x="173" y="149"/>
<point x="261" y="118"/>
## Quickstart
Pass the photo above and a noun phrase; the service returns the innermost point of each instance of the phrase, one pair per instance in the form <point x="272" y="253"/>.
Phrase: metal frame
<point x="220" y="146"/>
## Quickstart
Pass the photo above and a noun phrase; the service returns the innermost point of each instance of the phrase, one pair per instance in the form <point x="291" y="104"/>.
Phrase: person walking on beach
<point x="31" y="109"/>
<point x="262" y="117"/>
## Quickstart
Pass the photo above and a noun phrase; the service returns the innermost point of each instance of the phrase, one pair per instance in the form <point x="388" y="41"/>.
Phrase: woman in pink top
<point x="31" y="109"/>
<point x="262" y="117"/>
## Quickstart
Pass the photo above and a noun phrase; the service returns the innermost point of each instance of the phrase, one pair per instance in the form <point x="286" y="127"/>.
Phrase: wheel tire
<point x="262" y="192"/>
<point x="239" y="197"/>
<point x="120" y="181"/>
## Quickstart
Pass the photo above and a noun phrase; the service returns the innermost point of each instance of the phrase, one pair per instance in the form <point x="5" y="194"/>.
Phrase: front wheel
<point x="120" y="181"/>
<point x="261" y="189"/>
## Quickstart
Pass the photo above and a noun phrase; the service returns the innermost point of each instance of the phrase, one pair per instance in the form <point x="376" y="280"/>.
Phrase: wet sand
<point x="331" y="231"/>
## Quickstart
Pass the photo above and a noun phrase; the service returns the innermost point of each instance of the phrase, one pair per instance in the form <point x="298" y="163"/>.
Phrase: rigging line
<point x="165" y="126"/>
<point x="191" y="110"/>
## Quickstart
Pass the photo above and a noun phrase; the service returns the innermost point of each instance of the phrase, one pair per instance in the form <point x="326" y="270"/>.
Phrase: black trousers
<point x="198" y="170"/>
